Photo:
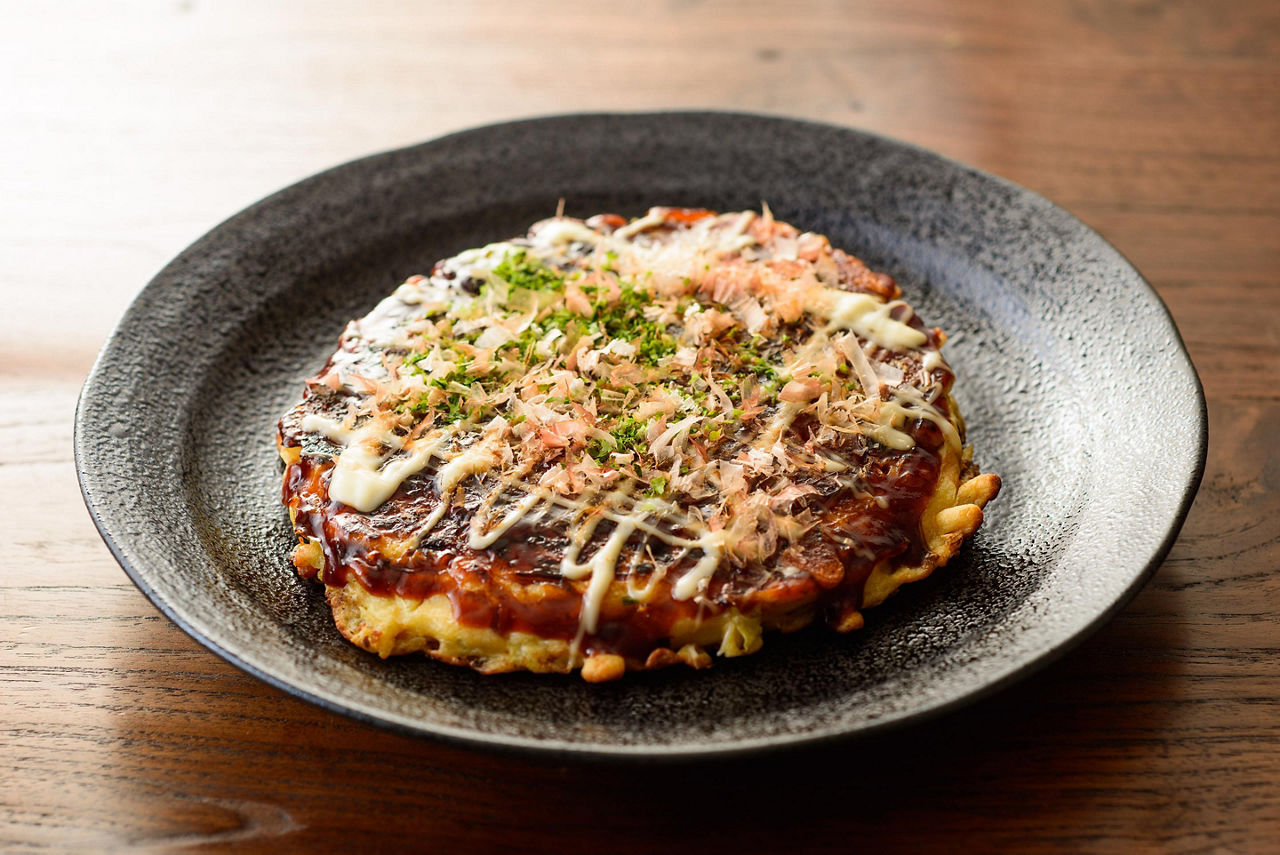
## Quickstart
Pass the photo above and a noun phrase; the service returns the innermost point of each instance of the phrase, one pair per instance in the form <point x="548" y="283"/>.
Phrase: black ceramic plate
<point x="1072" y="377"/>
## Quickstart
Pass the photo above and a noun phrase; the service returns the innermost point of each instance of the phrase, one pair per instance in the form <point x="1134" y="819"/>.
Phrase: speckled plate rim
<point x="114" y="533"/>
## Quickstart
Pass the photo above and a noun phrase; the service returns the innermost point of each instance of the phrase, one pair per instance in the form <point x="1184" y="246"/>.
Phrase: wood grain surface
<point x="131" y="128"/>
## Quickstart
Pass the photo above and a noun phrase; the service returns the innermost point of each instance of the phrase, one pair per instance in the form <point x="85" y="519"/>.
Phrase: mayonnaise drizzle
<point x="868" y="316"/>
<point x="365" y="475"/>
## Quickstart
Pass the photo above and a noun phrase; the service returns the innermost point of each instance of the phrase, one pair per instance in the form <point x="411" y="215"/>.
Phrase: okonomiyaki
<point x="616" y="444"/>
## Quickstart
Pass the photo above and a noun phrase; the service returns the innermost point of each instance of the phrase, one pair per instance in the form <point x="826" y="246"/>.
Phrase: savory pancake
<point x="616" y="445"/>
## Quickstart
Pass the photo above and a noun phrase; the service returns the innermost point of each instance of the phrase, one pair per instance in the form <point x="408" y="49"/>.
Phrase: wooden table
<point x="131" y="129"/>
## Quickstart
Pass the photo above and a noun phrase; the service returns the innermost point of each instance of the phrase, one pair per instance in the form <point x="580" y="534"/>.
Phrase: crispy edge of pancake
<point x="396" y="625"/>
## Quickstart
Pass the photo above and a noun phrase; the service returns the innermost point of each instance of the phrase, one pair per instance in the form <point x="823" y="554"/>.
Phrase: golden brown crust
<point x="394" y="626"/>
<point x="953" y="514"/>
